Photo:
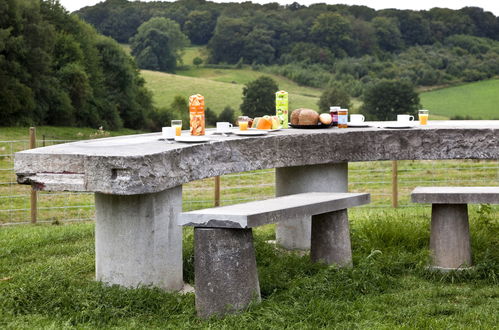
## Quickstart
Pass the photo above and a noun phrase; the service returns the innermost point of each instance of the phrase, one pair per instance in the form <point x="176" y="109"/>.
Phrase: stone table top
<point x="138" y="164"/>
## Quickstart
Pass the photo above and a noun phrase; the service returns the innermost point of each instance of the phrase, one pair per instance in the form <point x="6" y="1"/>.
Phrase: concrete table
<point x="137" y="180"/>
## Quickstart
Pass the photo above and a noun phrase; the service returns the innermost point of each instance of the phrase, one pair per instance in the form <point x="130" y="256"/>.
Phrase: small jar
<point x="333" y="111"/>
<point x="343" y="118"/>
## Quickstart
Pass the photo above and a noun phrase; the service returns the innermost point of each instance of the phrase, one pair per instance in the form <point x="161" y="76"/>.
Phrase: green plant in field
<point x="197" y="61"/>
<point x="259" y="97"/>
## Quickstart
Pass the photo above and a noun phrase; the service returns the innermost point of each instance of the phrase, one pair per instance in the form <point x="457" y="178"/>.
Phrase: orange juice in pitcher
<point x="196" y="112"/>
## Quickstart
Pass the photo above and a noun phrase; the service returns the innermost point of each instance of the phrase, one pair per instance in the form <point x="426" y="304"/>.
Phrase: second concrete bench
<point x="450" y="234"/>
<point x="226" y="277"/>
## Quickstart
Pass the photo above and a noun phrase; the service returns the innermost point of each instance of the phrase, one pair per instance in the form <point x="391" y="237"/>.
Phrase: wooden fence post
<point x="217" y="191"/>
<point x="33" y="200"/>
<point x="395" y="202"/>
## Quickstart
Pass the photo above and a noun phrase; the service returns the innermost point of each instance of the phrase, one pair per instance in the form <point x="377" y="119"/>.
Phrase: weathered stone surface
<point x="450" y="236"/>
<point x="456" y="195"/>
<point x="226" y="277"/>
<point x="331" y="239"/>
<point x="258" y="213"/>
<point x="333" y="177"/>
<point x="143" y="164"/>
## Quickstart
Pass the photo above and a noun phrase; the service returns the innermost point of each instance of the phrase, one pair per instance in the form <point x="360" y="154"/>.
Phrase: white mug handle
<point x="411" y="118"/>
<point x="230" y="125"/>
<point x="363" y="118"/>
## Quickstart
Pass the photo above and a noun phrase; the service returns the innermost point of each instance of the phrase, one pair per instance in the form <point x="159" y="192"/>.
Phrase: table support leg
<point x="296" y="233"/>
<point x="331" y="239"/>
<point x="450" y="236"/>
<point x="138" y="241"/>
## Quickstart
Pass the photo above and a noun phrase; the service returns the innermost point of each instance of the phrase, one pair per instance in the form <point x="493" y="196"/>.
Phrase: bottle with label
<point x="333" y="111"/>
<point x="343" y="118"/>
<point x="281" y="107"/>
<point x="196" y="112"/>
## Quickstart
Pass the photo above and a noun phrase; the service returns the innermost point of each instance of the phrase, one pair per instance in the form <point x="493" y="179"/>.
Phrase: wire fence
<point x="376" y="178"/>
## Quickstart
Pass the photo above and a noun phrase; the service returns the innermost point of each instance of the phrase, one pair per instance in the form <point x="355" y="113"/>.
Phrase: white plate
<point x="192" y="139"/>
<point x="402" y="125"/>
<point x="255" y="132"/>
<point x="265" y="130"/>
<point x="357" y="124"/>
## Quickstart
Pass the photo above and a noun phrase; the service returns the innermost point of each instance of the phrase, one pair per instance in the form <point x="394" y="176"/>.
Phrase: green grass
<point x="46" y="281"/>
<point x="218" y="94"/>
<point x="192" y="52"/>
<point x="221" y="87"/>
<point x="480" y="100"/>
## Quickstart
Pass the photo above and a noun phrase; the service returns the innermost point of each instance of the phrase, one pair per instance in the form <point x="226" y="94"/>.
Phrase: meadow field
<point x="478" y="100"/>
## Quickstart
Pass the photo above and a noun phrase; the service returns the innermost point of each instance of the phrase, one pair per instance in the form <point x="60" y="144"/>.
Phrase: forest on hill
<point x="322" y="44"/>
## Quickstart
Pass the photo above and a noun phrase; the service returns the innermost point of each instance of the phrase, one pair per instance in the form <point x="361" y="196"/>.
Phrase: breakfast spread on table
<point x="301" y="118"/>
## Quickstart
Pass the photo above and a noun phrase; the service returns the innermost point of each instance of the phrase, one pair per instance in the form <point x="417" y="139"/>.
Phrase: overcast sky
<point x="488" y="5"/>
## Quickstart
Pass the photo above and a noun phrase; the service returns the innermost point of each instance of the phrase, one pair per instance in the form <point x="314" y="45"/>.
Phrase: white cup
<point x="223" y="127"/>
<point x="356" y="118"/>
<point x="168" y="132"/>
<point x="405" y="118"/>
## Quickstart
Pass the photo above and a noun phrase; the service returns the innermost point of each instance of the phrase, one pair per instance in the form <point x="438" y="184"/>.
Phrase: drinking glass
<point x="177" y="124"/>
<point x="423" y="117"/>
<point x="243" y="122"/>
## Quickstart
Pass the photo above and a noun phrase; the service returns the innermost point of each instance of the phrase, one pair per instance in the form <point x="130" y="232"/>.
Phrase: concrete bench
<point x="450" y="234"/>
<point x="226" y="276"/>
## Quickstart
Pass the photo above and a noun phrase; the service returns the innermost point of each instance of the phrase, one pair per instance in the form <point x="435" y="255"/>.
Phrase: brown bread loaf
<point x="308" y="117"/>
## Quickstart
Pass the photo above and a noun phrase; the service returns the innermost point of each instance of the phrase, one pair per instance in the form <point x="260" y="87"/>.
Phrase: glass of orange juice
<point x="243" y="122"/>
<point x="177" y="124"/>
<point x="423" y="117"/>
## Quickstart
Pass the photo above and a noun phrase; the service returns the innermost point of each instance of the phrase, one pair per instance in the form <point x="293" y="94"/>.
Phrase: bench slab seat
<point x="450" y="234"/>
<point x="456" y="195"/>
<point x="225" y="272"/>
<point x="258" y="213"/>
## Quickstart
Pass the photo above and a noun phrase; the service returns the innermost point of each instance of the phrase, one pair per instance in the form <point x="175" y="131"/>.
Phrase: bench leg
<point x="226" y="277"/>
<point x="450" y="236"/>
<point x="331" y="239"/>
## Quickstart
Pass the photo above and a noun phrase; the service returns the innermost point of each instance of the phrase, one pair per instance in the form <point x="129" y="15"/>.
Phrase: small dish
<point x="255" y="132"/>
<point x="265" y="130"/>
<point x="358" y="125"/>
<point x="222" y="133"/>
<point x="398" y="126"/>
<point x="192" y="139"/>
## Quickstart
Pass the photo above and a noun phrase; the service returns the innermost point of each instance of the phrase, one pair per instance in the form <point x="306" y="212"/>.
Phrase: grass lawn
<point x="480" y="100"/>
<point x="218" y="93"/>
<point x="46" y="281"/>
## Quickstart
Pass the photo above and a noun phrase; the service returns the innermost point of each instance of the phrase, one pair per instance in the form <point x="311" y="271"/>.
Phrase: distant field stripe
<point x="480" y="100"/>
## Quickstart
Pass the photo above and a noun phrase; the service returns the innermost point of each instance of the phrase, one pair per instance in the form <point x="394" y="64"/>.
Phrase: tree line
<point x="316" y="45"/>
<point x="232" y="30"/>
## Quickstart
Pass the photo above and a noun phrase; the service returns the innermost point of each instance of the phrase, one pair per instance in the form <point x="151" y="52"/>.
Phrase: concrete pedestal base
<point x="138" y="241"/>
<point x="450" y="236"/>
<point x="296" y="233"/>
<point x="331" y="239"/>
<point x="226" y="277"/>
